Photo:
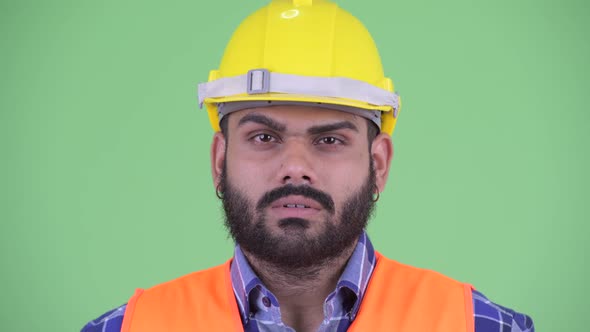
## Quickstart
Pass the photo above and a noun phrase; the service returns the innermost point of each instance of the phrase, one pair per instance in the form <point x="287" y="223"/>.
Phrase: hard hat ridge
<point x="302" y="2"/>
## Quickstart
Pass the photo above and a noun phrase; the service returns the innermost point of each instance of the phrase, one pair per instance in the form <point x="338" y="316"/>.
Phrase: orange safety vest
<point x="398" y="298"/>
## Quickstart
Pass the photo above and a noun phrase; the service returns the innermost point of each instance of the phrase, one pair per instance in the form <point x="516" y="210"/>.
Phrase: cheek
<point x="248" y="176"/>
<point x="342" y="181"/>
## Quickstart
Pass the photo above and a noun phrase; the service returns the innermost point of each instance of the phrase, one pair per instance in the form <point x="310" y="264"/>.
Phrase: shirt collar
<point x="243" y="280"/>
<point x="358" y="271"/>
<point x="355" y="277"/>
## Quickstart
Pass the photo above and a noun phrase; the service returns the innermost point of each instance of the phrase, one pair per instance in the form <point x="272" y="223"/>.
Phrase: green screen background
<point x="106" y="183"/>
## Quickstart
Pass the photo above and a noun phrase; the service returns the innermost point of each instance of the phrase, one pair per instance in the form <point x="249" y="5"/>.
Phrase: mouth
<point x="296" y="198"/>
<point x="296" y="202"/>
<point x="295" y="207"/>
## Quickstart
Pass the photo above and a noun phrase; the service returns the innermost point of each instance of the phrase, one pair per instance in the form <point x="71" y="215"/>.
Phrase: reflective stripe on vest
<point x="398" y="298"/>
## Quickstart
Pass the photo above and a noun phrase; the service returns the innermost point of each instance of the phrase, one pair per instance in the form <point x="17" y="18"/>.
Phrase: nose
<point x="296" y="166"/>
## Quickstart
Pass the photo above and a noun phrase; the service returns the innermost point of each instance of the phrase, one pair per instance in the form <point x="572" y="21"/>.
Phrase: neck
<point x="302" y="292"/>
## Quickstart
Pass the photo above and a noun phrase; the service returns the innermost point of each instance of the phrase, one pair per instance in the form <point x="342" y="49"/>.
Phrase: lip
<point x="296" y="200"/>
<point x="290" y="207"/>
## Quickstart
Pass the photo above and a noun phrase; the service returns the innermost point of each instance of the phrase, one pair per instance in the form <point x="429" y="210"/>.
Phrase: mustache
<point x="321" y="197"/>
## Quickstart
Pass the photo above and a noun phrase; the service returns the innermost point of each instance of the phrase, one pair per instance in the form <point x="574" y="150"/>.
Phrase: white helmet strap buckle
<point x="258" y="81"/>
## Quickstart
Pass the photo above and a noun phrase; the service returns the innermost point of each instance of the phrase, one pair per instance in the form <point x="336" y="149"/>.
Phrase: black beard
<point x="297" y="251"/>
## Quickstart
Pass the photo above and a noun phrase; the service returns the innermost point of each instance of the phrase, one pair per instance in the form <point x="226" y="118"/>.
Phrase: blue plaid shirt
<point x="260" y="311"/>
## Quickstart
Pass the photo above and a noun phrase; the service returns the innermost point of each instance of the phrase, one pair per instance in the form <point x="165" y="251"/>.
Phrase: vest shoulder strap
<point x="204" y="297"/>
<point x="408" y="299"/>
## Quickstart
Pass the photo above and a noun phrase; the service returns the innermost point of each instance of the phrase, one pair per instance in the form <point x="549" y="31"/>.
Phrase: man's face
<point x="297" y="182"/>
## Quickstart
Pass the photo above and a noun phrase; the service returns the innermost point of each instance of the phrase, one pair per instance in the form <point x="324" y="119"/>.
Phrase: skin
<point x="327" y="149"/>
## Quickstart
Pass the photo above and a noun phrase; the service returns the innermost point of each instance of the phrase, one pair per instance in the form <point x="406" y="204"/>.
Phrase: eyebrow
<point x="331" y="127"/>
<point x="263" y="120"/>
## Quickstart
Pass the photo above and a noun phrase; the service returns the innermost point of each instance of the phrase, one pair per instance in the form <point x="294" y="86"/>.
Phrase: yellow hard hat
<point x="301" y="51"/>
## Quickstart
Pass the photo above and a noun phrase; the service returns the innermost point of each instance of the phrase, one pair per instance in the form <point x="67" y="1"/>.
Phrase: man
<point x="303" y="118"/>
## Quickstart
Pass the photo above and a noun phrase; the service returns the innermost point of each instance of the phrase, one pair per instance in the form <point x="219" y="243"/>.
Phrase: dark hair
<point x="372" y="129"/>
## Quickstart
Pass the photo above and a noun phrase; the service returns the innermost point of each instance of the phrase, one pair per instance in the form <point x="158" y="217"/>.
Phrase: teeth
<point x="299" y="206"/>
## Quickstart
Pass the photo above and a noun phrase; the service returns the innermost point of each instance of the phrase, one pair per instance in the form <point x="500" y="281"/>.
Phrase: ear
<point x="217" y="157"/>
<point x="382" y="153"/>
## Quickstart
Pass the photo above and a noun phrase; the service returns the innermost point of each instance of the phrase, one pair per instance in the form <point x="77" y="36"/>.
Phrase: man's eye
<point x="329" y="140"/>
<point x="264" y="138"/>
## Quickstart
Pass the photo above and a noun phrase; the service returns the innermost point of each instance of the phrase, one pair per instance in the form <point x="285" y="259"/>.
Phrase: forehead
<point x="293" y="116"/>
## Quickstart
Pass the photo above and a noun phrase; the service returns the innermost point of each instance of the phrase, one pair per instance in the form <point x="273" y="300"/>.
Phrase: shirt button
<point x="266" y="301"/>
